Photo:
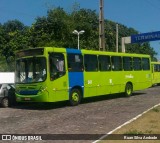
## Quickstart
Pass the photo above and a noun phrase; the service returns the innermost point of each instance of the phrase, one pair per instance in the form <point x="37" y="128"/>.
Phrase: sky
<point x="142" y="15"/>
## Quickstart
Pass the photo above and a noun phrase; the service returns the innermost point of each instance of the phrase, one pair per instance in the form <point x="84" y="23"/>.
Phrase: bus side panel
<point x="116" y="79"/>
<point x="102" y="83"/>
<point x="155" y="72"/>
<point x="58" y="89"/>
<point x="110" y="82"/>
<point x="142" y="80"/>
<point x="155" y="78"/>
<point x="90" y="83"/>
<point x="105" y="83"/>
<point x="76" y="80"/>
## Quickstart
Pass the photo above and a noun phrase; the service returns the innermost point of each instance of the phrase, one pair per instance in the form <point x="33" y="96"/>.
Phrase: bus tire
<point x="128" y="90"/>
<point x="75" y="97"/>
<point x="5" y="102"/>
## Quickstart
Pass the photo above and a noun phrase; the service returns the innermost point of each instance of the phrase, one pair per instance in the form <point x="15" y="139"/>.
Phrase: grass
<point x="133" y="132"/>
<point x="146" y="125"/>
<point x="156" y="109"/>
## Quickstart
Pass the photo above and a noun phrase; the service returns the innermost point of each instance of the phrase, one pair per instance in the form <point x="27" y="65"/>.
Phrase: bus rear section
<point x="155" y="73"/>
<point x="109" y="73"/>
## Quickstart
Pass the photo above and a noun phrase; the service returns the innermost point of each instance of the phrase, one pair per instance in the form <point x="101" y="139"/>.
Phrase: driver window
<point x="57" y="65"/>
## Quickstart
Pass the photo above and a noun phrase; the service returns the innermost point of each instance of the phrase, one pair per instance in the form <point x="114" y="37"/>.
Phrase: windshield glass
<point x="30" y="70"/>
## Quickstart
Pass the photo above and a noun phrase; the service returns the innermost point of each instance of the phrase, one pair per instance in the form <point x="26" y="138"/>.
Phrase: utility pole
<point x="101" y="27"/>
<point x="117" y="33"/>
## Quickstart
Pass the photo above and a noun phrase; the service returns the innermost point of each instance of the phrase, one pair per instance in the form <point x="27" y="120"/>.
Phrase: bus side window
<point x="75" y="62"/>
<point x="127" y="63"/>
<point x="145" y="64"/>
<point x="155" y="68"/>
<point x="116" y="63"/>
<point x="112" y="67"/>
<point x="104" y="63"/>
<point x="91" y="63"/>
<point x="57" y="65"/>
<point x="158" y="68"/>
<point x="137" y="64"/>
<point x="109" y="67"/>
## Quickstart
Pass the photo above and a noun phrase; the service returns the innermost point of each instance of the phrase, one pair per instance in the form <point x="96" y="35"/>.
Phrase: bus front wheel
<point x="128" y="89"/>
<point x="75" y="97"/>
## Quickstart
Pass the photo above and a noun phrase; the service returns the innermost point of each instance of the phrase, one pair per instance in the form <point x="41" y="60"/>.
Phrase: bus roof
<point x="155" y="62"/>
<point x="112" y="53"/>
<point x="83" y="51"/>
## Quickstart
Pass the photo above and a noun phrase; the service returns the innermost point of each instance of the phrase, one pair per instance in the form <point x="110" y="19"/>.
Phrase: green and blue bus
<point x="155" y="73"/>
<point x="56" y="74"/>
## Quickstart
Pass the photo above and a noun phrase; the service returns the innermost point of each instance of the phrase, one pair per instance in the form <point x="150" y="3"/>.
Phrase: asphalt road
<point x="94" y="117"/>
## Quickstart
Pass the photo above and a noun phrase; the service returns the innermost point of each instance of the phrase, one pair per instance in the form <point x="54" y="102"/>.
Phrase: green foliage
<point x="133" y="132"/>
<point x="56" y="29"/>
<point x="156" y="110"/>
<point x="14" y="38"/>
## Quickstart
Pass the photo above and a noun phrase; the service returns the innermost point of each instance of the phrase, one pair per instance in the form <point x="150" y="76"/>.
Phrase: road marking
<point x="135" y="118"/>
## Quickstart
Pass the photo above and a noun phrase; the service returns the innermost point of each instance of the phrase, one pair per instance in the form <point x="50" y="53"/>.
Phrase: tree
<point x="55" y="30"/>
<point x="39" y="33"/>
<point x="87" y="20"/>
<point x="14" y="38"/>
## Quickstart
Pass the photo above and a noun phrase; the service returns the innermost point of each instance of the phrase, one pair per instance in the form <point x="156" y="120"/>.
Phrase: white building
<point x="7" y="77"/>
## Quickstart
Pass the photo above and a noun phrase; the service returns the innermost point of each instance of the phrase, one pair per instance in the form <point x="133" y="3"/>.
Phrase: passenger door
<point x="58" y="77"/>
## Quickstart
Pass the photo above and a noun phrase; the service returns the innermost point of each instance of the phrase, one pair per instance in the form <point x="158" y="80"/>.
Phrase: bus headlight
<point x="42" y="89"/>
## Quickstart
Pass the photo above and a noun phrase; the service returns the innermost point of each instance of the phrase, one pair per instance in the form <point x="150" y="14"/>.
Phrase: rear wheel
<point x="75" y="97"/>
<point x="128" y="89"/>
<point x="5" y="102"/>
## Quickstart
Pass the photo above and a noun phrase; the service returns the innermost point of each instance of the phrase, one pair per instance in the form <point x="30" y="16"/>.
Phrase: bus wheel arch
<point x="128" y="89"/>
<point x="75" y="95"/>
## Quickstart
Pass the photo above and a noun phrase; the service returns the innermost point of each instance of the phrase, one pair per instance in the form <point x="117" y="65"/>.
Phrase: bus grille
<point x="28" y="92"/>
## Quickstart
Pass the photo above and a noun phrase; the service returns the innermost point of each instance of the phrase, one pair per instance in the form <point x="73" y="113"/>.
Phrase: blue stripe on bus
<point x="73" y="51"/>
<point x="75" y="78"/>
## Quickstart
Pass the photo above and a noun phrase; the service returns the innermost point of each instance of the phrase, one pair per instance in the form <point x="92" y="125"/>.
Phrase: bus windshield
<point x="29" y="70"/>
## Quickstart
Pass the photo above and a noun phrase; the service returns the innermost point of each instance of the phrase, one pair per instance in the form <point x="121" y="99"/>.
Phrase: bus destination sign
<point x="144" y="37"/>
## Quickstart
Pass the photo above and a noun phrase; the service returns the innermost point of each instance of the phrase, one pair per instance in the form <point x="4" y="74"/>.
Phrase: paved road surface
<point x="98" y="116"/>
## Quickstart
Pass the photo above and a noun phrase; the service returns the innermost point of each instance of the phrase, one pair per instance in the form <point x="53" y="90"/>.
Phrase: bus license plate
<point x="27" y="99"/>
